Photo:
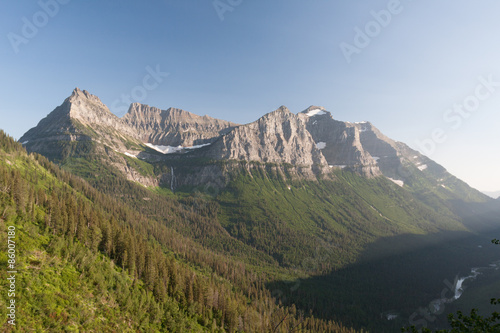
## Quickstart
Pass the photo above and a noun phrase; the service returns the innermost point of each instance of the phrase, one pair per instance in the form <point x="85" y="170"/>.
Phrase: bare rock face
<point x="395" y="159"/>
<point x="174" y="127"/>
<point x="90" y="111"/>
<point x="82" y="125"/>
<point x="277" y="137"/>
<point x="81" y="117"/>
<point x="339" y="141"/>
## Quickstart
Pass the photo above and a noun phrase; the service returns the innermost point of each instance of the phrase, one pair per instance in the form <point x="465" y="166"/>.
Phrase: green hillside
<point x="86" y="262"/>
<point x="306" y="244"/>
<point x="289" y="218"/>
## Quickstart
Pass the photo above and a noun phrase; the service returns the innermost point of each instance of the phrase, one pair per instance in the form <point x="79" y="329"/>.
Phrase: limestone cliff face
<point x="277" y="137"/>
<point x="340" y="142"/>
<point x="174" y="127"/>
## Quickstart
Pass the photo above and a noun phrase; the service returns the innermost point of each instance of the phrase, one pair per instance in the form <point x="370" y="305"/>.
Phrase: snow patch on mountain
<point x="396" y="181"/>
<point x="130" y="155"/>
<point x="341" y="166"/>
<point x="315" y="112"/>
<point x="171" y="149"/>
<point x="321" y="145"/>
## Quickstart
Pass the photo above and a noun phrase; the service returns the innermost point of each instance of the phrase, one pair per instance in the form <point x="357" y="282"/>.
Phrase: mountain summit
<point x="339" y="141"/>
<point x="82" y="116"/>
<point x="277" y="137"/>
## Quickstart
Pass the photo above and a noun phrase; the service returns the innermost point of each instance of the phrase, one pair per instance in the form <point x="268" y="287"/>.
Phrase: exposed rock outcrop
<point x="174" y="127"/>
<point x="339" y="141"/>
<point x="81" y="117"/>
<point x="277" y="137"/>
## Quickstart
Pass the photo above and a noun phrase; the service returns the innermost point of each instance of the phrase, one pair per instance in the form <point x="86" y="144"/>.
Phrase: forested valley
<point x="89" y="262"/>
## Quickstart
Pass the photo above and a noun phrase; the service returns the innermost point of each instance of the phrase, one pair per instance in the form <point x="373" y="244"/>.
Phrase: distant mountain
<point x="339" y="142"/>
<point x="82" y="116"/>
<point x="493" y="194"/>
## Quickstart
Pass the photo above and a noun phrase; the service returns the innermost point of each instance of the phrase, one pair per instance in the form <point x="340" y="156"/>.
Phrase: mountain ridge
<point x="281" y="130"/>
<point x="311" y="140"/>
<point x="174" y="126"/>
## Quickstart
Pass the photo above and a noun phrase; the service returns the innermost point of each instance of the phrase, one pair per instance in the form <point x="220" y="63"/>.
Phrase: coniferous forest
<point x="106" y="254"/>
<point x="87" y="262"/>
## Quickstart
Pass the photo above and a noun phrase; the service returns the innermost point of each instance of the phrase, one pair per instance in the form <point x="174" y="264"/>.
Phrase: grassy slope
<point x="316" y="227"/>
<point x="61" y="284"/>
<point x="59" y="272"/>
<point x="289" y="219"/>
<point x="358" y="228"/>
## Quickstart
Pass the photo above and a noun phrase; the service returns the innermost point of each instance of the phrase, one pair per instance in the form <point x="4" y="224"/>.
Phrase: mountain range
<point x="311" y="141"/>
<point x="302" y="201"/>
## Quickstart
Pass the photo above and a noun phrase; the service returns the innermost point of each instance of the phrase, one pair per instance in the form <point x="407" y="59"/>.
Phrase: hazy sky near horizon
<point x="425" y="73"/>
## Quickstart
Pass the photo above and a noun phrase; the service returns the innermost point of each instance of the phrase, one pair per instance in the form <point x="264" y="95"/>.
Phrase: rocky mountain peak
<point x="81" y="117"/>
<point x="89" y="109"/>
<point x="280" y="113"/>
<point x="277" y="137"/>
<point x="77" y="92"/>
<point x="338" y="141"/>
<point x="282" y="109"/>
<point x="141" y="115"/>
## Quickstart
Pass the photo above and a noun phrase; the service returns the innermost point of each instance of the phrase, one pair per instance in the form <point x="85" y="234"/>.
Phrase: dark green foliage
<point x="461" y="323"/>
<point x="88" y="262"/>
<point x="287" y="220"/>
<point x="266" y="252"/>
<point x="474" y="322"/>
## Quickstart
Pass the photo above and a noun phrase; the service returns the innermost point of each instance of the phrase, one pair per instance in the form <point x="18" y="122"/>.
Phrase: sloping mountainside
<point x="313" y="204"/>
<point x="87" y="262"/>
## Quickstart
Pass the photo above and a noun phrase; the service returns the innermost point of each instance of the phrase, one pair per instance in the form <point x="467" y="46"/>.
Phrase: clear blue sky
<point x="264" y="54"/>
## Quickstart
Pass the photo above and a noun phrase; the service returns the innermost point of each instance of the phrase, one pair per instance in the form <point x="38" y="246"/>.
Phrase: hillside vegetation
<point x="304" y="238"/>
<point x="87" y="262"/>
